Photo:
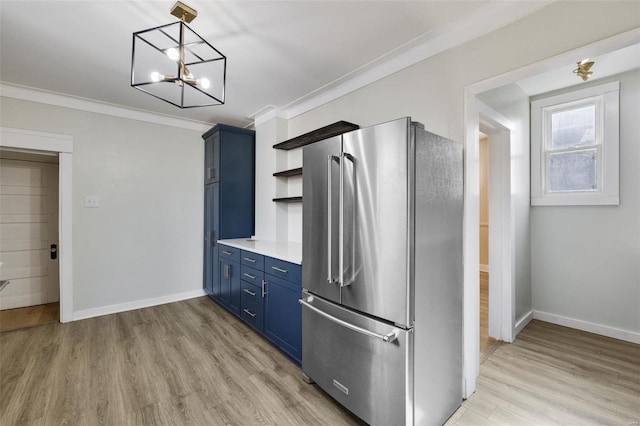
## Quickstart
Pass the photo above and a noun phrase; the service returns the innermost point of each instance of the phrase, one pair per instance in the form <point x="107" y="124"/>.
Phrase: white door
<point x="28" y="228"/>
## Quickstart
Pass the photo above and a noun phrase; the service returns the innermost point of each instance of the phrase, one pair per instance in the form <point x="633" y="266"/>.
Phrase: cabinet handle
<point x="251" y="277"/>
<point x="248" y="312"/>
<point x="246" y="290"/>
<point x="264" y="288"/>
<point x="248" y="259"/>
<point x="228" y="253"/>
<point x="284" y="271"/>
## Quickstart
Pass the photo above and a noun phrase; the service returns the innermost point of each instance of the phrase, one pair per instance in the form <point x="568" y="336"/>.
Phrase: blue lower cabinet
<point x="264" y="293"/>
<point x="283" y="315"/>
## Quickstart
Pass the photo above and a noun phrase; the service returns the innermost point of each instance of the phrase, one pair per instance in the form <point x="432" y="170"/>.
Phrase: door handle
<point x="264" y="288"/>
<point x="330" y="159"/>
<point x="387" y="338"/>
<point x="343" y="156"/>
<point x="54" y="251"/>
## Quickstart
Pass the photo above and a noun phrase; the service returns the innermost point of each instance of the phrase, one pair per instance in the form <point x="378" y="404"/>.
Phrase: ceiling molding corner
<point x="267" y="113"/>
<point x="83" y="104"/>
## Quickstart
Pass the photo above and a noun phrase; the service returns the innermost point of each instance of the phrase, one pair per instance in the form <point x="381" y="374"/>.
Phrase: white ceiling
<point x="278" y="51"/>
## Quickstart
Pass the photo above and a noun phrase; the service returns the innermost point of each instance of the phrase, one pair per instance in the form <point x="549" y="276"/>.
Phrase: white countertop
<point x="285" y="250"/>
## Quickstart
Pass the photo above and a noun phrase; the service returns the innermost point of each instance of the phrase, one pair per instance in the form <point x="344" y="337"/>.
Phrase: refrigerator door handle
<point x="330" y="158"/>
<point x="387" y="338"/>
<point x="343" y="156"/>
<point x="341" y="225"/>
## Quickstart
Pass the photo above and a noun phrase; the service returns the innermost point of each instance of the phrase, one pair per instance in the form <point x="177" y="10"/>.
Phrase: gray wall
<point x="145" y="240"/>
<point x="586" y="259"/>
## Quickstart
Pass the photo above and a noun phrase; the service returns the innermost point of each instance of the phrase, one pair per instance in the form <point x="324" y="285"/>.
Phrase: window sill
<point x="576" y="200"/>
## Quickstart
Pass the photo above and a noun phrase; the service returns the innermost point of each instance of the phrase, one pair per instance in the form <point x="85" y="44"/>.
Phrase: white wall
<point x="145" y="240"/>
<point x="586" y="259"/>
<point x="513" y="104"/>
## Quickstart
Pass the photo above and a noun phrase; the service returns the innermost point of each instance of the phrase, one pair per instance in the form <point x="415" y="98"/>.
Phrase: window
<point x="574" y="147"/>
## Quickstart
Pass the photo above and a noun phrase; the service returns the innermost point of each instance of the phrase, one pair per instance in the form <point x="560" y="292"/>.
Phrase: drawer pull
<point x="251" y="277"/>
<point x="275" y="268"/>
<point x="248" y="312"/>
<point x="228" y="253"/>
<point x="248" y="259"/>
<point x="246" y="290"/>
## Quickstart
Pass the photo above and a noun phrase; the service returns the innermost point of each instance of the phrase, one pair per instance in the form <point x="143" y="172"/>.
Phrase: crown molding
<point x="83" y="104"/>
<point x="488" y="18"/>
<point x="267" y="113"/>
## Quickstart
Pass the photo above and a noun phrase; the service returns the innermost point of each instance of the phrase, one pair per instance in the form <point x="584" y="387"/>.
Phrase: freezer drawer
<point x="363" y="363"/>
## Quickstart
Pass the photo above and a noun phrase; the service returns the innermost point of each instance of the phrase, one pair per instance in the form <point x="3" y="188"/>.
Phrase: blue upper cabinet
<point x="229" y="177"/>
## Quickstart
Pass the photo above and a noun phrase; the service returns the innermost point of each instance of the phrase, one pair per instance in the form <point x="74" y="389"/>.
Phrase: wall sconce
<point x="173" y="63"/>
<point x="583" y="69"/>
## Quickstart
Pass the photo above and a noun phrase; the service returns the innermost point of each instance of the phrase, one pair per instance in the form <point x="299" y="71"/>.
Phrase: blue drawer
<point x="251" y="275"/>
<point x="230" y="253"/>
<point x="252" y="292"/>
<point x="252" y="313"/>
<point x="282" y="269"/>
<point x="252" y="260"/>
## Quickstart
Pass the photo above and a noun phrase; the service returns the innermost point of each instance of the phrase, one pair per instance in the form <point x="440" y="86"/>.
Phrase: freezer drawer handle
<point x="388" y="338"/>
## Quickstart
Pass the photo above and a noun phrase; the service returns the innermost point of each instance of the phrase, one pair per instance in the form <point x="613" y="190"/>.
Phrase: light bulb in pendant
<point x="173" y="54"/>
<point x="156" y="77"/>
<point x="204" y="82"/>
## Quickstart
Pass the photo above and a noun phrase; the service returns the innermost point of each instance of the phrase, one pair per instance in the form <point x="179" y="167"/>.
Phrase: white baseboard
<point x="522" y="323"/>
<point x="138" y="304"/>
<point x="603" y="330"/>
<point x="484" y="268"/>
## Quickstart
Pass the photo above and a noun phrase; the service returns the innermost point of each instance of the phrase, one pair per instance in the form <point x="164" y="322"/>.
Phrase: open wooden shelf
<point x="288" y="200"/>
<point x="325" y="132"/>
<point x="289" y="173"/>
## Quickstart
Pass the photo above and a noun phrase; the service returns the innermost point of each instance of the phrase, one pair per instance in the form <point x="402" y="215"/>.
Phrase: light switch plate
<point x="91" y="201"/>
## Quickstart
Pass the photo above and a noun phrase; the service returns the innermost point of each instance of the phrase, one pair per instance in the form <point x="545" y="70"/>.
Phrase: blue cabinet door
<point x="230" y="289"/>
<point x="283" y="315"/>
<point x="211" y="275"/>
<point x="212" y="159"/>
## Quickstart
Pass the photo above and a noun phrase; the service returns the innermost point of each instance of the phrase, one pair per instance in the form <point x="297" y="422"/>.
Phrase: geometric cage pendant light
<point x="173" y="63"/>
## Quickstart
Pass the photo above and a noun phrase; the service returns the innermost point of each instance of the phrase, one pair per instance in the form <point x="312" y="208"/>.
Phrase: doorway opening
<point x="38" y="145"/>
<point x="29" y="273"/>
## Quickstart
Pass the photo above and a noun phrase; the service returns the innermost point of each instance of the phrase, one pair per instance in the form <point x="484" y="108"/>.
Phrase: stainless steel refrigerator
<point x="382" y="272"/>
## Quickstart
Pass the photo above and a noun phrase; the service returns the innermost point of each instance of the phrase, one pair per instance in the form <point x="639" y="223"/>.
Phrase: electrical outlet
<point x="91" y="201"/>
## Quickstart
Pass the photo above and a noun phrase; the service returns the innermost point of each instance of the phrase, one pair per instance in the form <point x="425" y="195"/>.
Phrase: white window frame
<point x="606" y="98"/>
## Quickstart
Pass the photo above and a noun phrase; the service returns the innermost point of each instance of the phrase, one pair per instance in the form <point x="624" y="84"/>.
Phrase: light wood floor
<point x="191" y="362"/>
<point x="188" y="362"/>
<point x="553" y="375"/>
<point x="29" y="316"/>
